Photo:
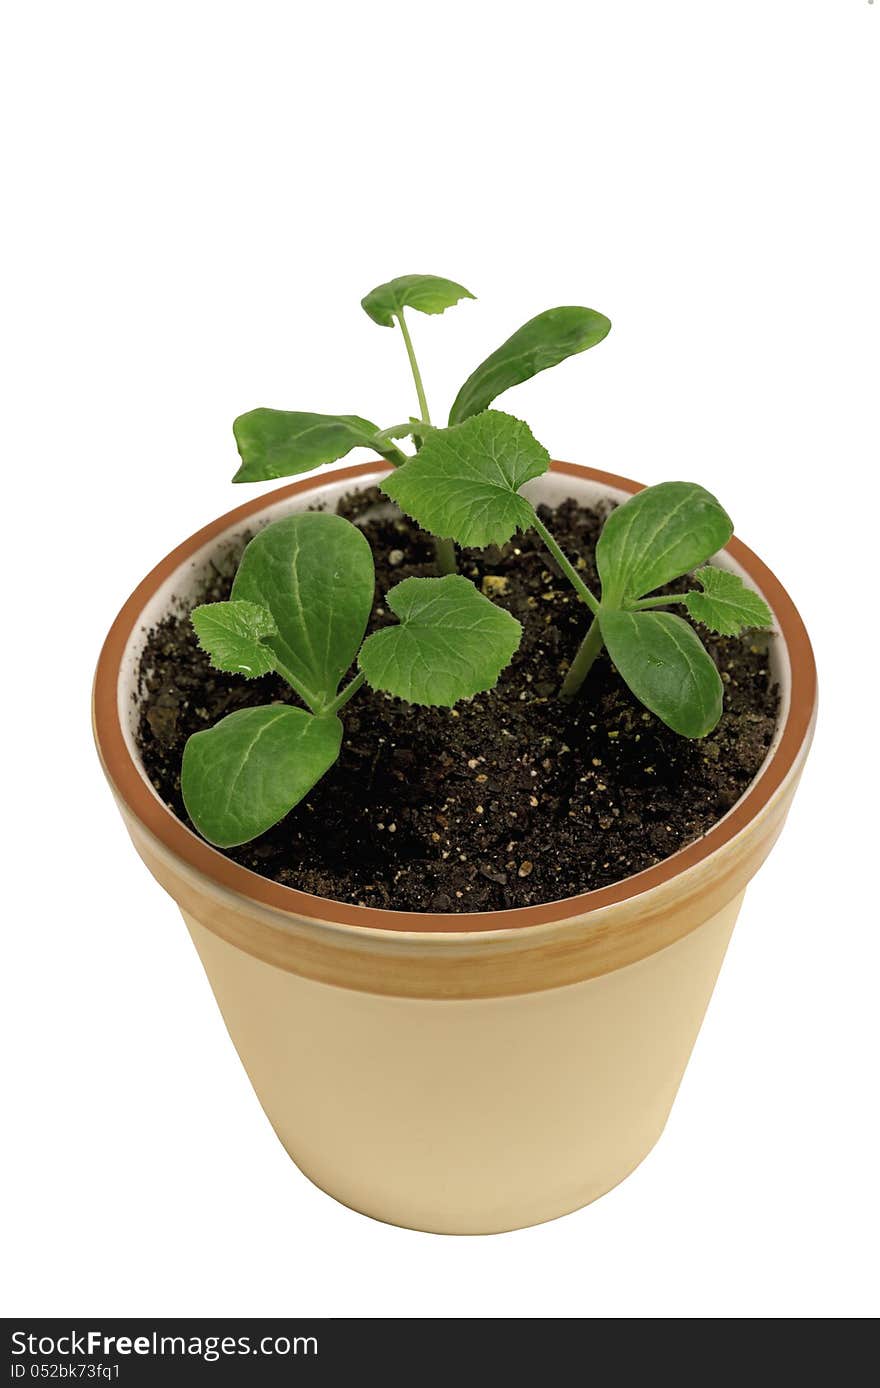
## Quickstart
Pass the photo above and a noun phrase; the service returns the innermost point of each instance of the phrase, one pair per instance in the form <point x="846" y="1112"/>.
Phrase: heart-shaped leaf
<point x="452" y="642"/>
<point x="244" y="774"/>
<point x="233" y="634"/>
<point x="281" y="443"/>
<point x="426" y="293"/>
<point x="666" y="666"/>
<point x="659" y="534"/>
<point x="726" y="605"/>
<point x="544" y="341"/>
<point x="464" y="484"/>
<point x="314" y="573"/>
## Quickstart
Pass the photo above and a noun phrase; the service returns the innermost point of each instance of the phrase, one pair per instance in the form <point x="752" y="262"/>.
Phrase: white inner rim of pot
<point x="185" y="583"/>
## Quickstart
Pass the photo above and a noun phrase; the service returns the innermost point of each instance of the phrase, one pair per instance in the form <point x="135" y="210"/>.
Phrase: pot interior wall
<point x="185" y="583"/>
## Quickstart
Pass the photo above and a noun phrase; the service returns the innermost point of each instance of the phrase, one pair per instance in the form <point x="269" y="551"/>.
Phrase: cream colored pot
<point x="458" y="1073"/>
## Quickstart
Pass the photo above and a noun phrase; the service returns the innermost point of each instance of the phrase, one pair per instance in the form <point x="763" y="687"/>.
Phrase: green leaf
<point x="464" y="484"/>
<point x="452" y="642"/>
<point x="244" y="774"/>
<point x="726" y="605"/>
<point x="280" y="443"/>
<point x="544" y="341"/>
<point x="314" y="573"/>
<point x="233" y="633"/>
<point x="426" y="293"/>
<point x="666" y="666"/>
<point x="659" y="534"/>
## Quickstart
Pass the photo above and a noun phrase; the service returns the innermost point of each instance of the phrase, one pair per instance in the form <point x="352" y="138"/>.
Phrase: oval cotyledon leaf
<point x="314" y="574"/>
<point x="248" y="771"/>
<point x="282" y="443"/>
<point x="546" y="340"/>
<point x="666" y="666"/>
<point x="656" y="536"/>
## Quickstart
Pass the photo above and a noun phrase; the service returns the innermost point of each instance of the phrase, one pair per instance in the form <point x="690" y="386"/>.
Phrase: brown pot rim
<point x="164" y="825"/>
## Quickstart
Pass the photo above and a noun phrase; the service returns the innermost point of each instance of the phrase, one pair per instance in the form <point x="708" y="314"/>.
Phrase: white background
<point x="198" y="195"/>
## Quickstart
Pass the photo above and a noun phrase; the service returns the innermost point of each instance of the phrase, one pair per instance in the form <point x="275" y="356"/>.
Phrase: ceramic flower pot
<point x="465" y="1073"/>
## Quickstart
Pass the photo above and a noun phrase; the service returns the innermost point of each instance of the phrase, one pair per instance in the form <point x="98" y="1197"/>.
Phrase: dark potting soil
<point x="507" y="800"/>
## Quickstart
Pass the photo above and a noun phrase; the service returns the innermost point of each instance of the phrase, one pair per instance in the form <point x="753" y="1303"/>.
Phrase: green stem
<point x="391" y="453"/>
<point x="397" y="431"/>
<point x="414" y="367"/>
<point x="592" y="642"/>
<point x="567" y="568"/>
<point x="342" y="699"/>
<point x="444" y="550"/>
<point x="644" y="603"/>
<point x="580" y="666"/>
<point x="296" y="685"/>
<point x="444" y="553"/>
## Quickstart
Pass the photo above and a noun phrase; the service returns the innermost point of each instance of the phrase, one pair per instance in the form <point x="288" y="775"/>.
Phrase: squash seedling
<point x="304" y="589"/>
<point x="281" y="443"/>
<point x="299" y="606"/>
<point x="465" y="484"/>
